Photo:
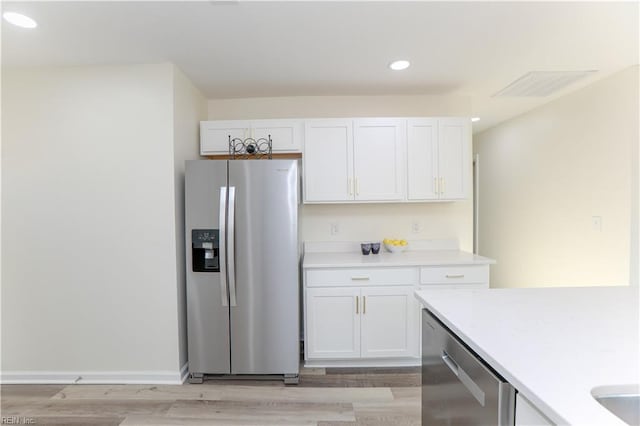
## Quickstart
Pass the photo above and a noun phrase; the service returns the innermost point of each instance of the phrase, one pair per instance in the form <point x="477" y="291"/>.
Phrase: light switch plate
<point x="596" y="223"/>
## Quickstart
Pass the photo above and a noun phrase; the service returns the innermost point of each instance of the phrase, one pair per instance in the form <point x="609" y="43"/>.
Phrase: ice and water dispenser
<point x="204" y="250"/>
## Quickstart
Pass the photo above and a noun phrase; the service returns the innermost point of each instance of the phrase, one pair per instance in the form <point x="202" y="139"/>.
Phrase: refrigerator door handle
<point x="223" y="243"/>
<point x="231" y="246"/>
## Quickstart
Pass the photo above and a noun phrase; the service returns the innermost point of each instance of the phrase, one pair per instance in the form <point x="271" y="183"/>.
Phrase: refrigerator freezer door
<point x="265" y="322"/>
<point x="207" y="313"/>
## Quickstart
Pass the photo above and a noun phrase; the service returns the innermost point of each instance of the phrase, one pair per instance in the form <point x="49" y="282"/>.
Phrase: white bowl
<point x="395" y="249"/>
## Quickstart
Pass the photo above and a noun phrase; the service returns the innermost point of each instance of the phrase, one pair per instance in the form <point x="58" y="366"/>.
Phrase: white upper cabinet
<point x="328" y="161"/>
<point x="214" y="135"/>
<point x="422" y="159"/>
<point x="286" y="135"/>
<point x="454" y="159"/>
<point x="378" y="153"/>
<point x="439" y="158"/>
<point x="364" y="160"/>
<point x="354" y="160"/>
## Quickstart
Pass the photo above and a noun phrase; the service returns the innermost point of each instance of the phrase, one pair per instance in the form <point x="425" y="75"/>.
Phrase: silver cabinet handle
<point x="364" y="305"/>
<point x="464" y="378"/>
<point x="223" y="243"/>
<point x="357" y="187"/>
<point x="231" y="246"/>
<point x="357" y="305"/>
<point x="361" y="278"/>
<point x="455" y="275"/>
<point x="349" y="186"/>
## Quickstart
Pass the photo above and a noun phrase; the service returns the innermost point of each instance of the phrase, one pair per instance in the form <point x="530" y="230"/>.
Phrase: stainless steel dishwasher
<point x="458" y="387"/>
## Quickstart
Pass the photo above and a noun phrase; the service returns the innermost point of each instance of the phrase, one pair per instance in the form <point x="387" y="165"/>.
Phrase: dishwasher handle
<point x="464" y="378"/>
<point x="453" y="366"/>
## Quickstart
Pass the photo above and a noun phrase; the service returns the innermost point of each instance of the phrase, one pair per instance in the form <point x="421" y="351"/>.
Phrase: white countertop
<point x="407" y="258"/>
<point x="553" y="344"/>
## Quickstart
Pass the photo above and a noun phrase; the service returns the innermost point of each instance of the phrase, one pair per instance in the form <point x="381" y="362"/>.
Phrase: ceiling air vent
<point x="541" y="83"/>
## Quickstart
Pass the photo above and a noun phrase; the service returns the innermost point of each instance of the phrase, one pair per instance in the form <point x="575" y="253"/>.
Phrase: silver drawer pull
<point x="363" y="278"/>
<point x="455" y="275"/>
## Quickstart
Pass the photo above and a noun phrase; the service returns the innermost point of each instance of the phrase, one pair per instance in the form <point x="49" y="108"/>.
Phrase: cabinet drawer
<point x="361" y="277"/>
<point x="454" y="274"/>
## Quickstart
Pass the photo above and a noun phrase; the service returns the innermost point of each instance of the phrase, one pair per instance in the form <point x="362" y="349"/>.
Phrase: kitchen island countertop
<point x="554" y="345"/>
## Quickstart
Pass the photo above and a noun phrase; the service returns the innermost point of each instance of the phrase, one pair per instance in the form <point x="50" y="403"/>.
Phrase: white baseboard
<point x="95" y="377"/>
<point x="407" y="362"/>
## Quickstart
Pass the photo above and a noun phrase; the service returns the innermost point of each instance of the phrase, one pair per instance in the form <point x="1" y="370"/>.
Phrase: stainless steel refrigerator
<point x="241" y="219"/>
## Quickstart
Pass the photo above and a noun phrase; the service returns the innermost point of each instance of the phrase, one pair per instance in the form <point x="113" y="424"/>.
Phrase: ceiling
<point x="236" y="49"/>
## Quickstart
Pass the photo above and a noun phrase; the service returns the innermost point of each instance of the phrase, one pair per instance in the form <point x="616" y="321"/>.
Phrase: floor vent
<point x="541" y="83"/>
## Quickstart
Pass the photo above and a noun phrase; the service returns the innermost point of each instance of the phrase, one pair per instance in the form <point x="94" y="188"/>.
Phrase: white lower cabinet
<point x="364" y="322"/>
<point x="454" y="276"/>
<point x="388" y="322"/>
<point x="333" y="323"/>
<point x="370" y="315"/>
<point x="528" y="415"/>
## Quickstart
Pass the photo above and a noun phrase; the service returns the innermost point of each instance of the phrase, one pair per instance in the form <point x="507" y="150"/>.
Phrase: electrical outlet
<point x="334" y="228"/>
<point x="415" y="227"/>
<point x="596" y="223"/>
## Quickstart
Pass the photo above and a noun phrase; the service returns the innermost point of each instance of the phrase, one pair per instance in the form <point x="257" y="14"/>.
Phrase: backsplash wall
<point x="373" y="222"/>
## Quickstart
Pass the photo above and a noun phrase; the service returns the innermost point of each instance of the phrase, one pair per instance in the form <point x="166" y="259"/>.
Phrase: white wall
<point x="338" y="106"/>
<point x="634" y="267"/>
<point x="189" y="108"/>
<point x="89" y="223"/>
<point x="365" y="221"/>
<point x="545" y="174"/>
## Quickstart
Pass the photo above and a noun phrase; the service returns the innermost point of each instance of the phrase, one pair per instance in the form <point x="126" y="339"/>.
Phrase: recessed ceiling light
<point x="474" y="119"/>
<point x="19" y="20"/>
<point x="399" y="65"/>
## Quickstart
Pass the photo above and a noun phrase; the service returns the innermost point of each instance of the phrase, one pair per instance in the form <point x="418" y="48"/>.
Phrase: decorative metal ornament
<point x="250" y="148"/>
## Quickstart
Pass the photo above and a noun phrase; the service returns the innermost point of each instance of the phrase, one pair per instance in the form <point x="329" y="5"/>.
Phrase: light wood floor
<point x="324" y="397"/>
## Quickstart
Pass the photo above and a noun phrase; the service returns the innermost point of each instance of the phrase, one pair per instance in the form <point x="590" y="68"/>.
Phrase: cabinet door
<point x="379" y="146"/>
<point x="389" y="324"/>
<point x="328" y="161"/>
<point x="286" y="135"/>
<point x="332" y="323"/>
<point x="214" y="135"/>
<point x="422" y="159"/>
<point x="528" y="415"/>
<point x="454" y="146"/>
